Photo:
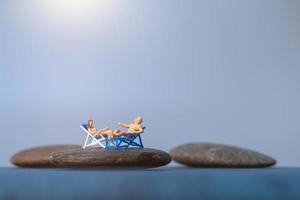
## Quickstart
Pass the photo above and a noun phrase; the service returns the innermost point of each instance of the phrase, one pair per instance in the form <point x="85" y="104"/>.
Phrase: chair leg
<point x="106" y="143"/>
<point x="86" y="140"/>
<point x="140" y="139"/>
<point x="100" y="143"/>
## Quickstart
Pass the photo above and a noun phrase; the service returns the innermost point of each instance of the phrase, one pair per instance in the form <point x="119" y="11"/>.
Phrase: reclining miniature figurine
<point x="94" y="132"/>
<point x="135" y="127"/>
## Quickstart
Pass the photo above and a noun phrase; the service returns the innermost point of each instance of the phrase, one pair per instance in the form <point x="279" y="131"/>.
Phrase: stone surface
<point x="99" y="157"/>
<point x="218" y="155"/>
<point x="39" y="156"/>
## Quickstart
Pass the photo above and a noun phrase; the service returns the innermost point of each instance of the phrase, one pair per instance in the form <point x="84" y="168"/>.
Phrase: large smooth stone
<point x="99" y="157"/>
<point x="39" y="156"/>
<point x="218" y="155"/>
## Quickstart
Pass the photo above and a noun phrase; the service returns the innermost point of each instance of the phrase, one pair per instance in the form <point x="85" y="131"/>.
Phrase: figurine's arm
<point x="140" y="129"/>
<point x="124" y="125"/>
<point x="91" y="131"/>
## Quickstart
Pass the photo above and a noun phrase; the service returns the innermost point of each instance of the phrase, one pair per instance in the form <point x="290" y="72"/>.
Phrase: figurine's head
<point x="138" y="120"/>
<point x="90" y="123"/>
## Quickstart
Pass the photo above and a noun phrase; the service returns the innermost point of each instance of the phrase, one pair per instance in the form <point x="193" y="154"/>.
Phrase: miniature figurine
<point x="94" y="132"/>
<point x="135" y="127"/>
<point x="108" y="138"/>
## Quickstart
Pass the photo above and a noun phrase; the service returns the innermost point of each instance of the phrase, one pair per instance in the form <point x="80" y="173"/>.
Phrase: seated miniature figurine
<point x="133" y="128"/>
<point x="94" y="132"/>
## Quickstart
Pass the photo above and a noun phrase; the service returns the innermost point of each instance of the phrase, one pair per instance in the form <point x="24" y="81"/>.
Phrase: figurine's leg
<point x="118" y="132"/>
<point x="102" y="131"/>
<point x="108" y="133"/>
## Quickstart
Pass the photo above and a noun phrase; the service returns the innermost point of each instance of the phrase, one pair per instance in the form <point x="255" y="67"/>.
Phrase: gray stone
<point x="39" y="156"/>
<point x="99" y="157"/>
<point x="218" y="155"/>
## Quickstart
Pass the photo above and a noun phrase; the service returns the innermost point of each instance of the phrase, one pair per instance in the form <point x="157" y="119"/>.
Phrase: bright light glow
<point x="75" y="22"/>
<point x="72" y="14"/>
<point x="75" y="9"/>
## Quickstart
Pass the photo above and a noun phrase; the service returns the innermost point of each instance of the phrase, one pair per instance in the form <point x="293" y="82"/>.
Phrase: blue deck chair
<point x="129" y="140"/>
<point x="92" y="140"/>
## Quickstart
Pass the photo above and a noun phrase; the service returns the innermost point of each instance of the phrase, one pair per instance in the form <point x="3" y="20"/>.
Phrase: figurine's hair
<point x="138" y="119"/>
<point x="90" y="123"/>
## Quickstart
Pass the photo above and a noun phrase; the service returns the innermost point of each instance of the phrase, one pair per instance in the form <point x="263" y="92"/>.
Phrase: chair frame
<point x="89" y="137"/>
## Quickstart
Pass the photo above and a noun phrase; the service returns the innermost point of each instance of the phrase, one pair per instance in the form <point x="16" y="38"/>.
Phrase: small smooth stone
<point x="39" y="156"/>
<point x="99" y="157"/>
<point x="218" y="155"/>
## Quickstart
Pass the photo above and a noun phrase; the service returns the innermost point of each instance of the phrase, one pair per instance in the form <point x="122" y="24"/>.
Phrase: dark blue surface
<point x="162" y="183"/>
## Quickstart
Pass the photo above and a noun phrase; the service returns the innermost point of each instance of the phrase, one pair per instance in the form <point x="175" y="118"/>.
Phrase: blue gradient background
<point x="211" y="70"/>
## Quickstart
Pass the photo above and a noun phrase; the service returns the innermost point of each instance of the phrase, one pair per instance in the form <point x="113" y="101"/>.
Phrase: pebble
<point x="39" y="156"/>
<point x="219" y="155"/>
<point x="64" y="156"/>
<point x="99" y="157"/>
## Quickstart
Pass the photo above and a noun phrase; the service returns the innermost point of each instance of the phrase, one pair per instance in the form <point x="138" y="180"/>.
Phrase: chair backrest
<point x="84" y="126"/>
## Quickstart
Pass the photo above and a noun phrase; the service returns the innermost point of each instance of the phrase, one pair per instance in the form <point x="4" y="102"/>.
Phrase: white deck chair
<point x="92" y="140"/>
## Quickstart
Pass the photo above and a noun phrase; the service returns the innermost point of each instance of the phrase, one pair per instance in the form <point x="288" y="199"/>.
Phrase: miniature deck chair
<point x="129" y="140"/>
<point x="92" y="140"/>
